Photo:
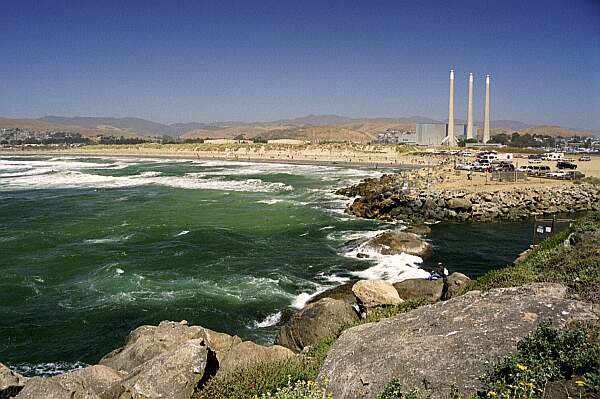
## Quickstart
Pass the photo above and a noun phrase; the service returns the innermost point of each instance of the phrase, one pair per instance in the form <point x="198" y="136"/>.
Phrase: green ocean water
<point x="91" y="248"/>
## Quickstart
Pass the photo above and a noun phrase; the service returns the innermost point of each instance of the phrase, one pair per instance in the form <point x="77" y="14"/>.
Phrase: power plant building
<point x="435" y="134"/>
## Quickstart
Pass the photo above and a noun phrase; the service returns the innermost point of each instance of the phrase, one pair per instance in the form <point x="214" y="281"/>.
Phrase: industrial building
<point x="435" y="134"/>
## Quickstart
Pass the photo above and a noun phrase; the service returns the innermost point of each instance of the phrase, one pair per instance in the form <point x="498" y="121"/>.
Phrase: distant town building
<point x="434" y="134"/>
<point x="392" y="136"/>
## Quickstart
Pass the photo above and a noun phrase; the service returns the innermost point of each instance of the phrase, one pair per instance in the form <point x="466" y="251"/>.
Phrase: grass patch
<point x="265" y="378"/>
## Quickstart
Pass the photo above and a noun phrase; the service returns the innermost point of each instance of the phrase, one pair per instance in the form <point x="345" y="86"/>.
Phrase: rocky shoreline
<point x="385" y="199"/>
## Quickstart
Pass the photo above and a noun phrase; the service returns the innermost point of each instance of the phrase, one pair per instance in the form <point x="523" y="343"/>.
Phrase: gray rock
<point x="456" y="282"/>
<point x="396" y="242"/>
<point x="418" y="288"/>
<point x="174" y="374"/>
<point x="11" y="383"/>
<point x="451" y="342"/>
<point x="90" y="382"/>
<point x="373" y="293"/>
<point x="146" y="342"/>
<point x="314" y="322"/>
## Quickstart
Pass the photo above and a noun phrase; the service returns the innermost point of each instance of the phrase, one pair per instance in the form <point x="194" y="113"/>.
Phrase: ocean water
<point x="91" y="248"/>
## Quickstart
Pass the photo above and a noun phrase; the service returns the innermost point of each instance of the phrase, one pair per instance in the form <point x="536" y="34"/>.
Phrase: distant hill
<point x="310" y="127"/>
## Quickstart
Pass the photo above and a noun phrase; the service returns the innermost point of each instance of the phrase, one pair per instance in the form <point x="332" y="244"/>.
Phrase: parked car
<point x="566" y="165"/>
<point x="585" y="158"/>
<point x="464" y="166"/>
<point x="534" y="160"/>
<point x="559" y="174"/>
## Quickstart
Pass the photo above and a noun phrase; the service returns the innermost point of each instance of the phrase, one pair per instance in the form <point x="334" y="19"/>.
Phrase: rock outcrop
<point x="342" y="292"/>
<point x="173" y="374"/>
<point x="384" y="199"/>
<point x="373" y="293"/>
<point x="450" y="342"/>
<point x="11" y="383"/>
<point x="418" y="288"/>
<point x="315" y="321"/>
<point x="248" y="353"/>
<point x="93" y="382"/>
<point x="397" y="242"/>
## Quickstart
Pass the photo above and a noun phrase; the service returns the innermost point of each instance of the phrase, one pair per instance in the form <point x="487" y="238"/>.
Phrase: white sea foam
<point x="109" y="240"/>
<point x="268" y="321"/>
<point x="182" y="233"/>
<point x="271" y="201"/>
<point x="77" y="179"/>
<point x="301" y="299"/>
<point x="333" y="278"/>
<point x="47" y="369"/>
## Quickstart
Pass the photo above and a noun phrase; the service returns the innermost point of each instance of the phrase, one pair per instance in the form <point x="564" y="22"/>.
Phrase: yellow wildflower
<point x="580" y="383"/>
<point x="521" y="367"/>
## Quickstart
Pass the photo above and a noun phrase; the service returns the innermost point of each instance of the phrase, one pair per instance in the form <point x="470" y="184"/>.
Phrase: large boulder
<point x="90" y="382"/>
<point x="11" y="383"/>
<point x="373" y="293"/>
<point x="456" y="283"/>
<point x="146" y="342"/>
<point x="342" y="292"/>
<point x="173" y="374"/>
<point x="314" y="322"/>
<point x="248" y="353"/>
<point x="397" y="242"/>
<point x="447" y="343"/>
<point x="459" y="204"/>
<point x="419" y="288"/>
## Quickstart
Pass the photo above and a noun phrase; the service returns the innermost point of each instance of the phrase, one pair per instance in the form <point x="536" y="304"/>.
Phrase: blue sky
<point x="180" y="61"/>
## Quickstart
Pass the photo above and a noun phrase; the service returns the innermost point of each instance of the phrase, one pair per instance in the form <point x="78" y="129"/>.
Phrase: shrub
<point x="545" y="356"/>
<point x="299" y="390"/>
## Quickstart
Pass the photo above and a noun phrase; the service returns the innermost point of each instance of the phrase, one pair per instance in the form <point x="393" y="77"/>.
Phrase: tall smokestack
<point x="450" y="137"/>
<point x="470" y="108"/>
<point x="486" y="115"/>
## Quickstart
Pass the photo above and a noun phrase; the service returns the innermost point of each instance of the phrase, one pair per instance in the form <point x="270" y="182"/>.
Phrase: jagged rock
<point x="315" y="321"/>
<point x="173" y="374"/>
<point x="419" y="288"/>
<point x="456" y="282"/>
<point x="396" y="242"/>
<point x="447" y="343"/>
<point x="146" y="342"/>
<point x="11" y="383"/>
<point x="248" y="353"/>
<point x="373" y="293"/>
<point x="342" y="292"/>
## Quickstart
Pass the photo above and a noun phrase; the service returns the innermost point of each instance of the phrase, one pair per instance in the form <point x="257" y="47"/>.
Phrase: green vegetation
<point x="523" y="140"/>
<point x="299" y="390"/>
<point x="266" y="378"/>
<point x="577" y="267"/>
<point x="546" y="356"/>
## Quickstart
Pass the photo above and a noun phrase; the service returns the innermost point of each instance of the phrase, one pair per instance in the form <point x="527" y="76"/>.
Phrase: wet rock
<point x="396" y="242"/>
<point x="450" y="342"/>
<point x="11" y="383"/>
<point x="430" y="290"/>
<point x="315" y="321"/>
<point x="373" y="293"/>
<point x="419" y="229"/>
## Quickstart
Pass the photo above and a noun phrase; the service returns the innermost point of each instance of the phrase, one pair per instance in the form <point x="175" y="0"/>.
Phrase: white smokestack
<point x="450" y="136"/>
<point x="486" y="115"/>
<point x="470" y="109"/>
